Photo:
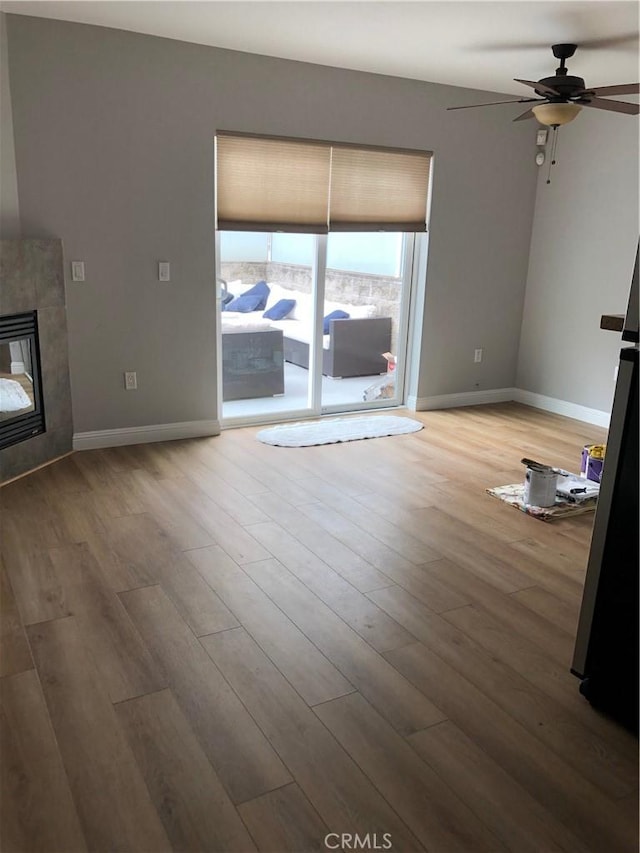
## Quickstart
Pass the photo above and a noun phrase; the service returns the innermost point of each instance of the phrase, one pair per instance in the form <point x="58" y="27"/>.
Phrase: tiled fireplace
<point x="33" y="317"/>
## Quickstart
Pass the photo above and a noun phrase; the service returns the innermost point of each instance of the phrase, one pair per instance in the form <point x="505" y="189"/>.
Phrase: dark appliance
<point x="606" y="649"/>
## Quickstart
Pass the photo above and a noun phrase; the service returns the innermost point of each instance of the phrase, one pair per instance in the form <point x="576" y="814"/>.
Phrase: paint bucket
<point x="540" y="487"/>
<point x="594" y="469"/>
<point x="592" y="461"/>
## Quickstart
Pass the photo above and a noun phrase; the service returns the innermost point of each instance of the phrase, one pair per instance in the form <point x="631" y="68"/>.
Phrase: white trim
<point x="143" y="434"/>
<point x="504" y="395"/>
<point x="196" y="429"/>
<point x="466" y="398"/>
<point x="562" y="407"/>
<point x="411" y="403"/>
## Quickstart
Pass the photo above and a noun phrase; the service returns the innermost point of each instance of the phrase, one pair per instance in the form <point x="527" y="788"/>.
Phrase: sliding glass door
<point x="316" y="239"/>
<point x="311" y="323"/>
<point x="256" y="381"/>
<point x="365" y="318"/>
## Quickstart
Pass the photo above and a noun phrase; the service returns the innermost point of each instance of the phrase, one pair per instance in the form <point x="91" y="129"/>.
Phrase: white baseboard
<point x="504" y="395"/>
<point x="197" y="429"/>
<point x="466" y="398"/>
<point x="562" y="407"/>
<point x="143" y="434"/>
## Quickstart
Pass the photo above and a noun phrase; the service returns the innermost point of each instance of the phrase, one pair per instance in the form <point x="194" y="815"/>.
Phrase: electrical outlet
<point x="130" y="380"/>
<point x="477" y="356"/>
<point x="77" y="270"/>
<point x="164" y="271"/>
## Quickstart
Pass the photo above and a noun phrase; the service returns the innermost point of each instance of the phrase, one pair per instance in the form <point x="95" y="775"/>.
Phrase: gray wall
<point x="583" y="249"/>
<point x="114" y="149"/>
<point x="9" y="208"/>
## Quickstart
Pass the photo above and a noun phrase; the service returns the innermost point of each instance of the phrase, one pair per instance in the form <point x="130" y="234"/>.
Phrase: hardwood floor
<point x="217" y="645"/>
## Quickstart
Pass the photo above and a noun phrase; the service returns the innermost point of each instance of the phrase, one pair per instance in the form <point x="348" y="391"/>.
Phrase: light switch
<point x="77" y="270"/>
<point x="164" y="271"/>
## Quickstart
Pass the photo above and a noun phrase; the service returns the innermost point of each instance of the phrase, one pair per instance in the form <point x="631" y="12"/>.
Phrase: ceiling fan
<point x="561" y="97"/>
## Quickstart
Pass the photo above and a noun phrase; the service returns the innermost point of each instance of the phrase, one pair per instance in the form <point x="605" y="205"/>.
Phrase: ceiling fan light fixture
<point x="555" y="115"/>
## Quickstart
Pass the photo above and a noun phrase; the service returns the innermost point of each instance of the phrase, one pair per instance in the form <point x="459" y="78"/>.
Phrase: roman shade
<point x="378" y="190"/>
<point x="270" y="184"/>
<point x="278" y="184"/>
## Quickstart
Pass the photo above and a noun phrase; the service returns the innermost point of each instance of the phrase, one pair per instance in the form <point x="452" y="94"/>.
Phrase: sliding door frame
<point x="315" y="352"/>
<point x="404" y="341"/>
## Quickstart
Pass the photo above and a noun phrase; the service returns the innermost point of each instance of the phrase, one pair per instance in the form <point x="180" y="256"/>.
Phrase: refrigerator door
<point x="606" y="649"/>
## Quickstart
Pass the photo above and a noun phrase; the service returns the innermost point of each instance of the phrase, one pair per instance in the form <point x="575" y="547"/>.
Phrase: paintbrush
<point x="540" y="466"/>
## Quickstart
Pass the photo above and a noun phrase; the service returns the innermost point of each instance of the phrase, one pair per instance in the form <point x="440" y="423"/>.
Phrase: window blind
<point x="378" y="190"/>
<point x="269" y="184"/>
<point x="276" y="184"/>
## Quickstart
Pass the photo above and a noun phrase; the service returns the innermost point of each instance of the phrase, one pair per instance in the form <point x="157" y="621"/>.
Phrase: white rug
<point x="306" y="433"/>
<point x="13" y="397"/>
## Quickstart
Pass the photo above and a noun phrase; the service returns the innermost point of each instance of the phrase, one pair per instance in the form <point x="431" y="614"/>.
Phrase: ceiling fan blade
<point x="630" y="37"/>
<point x="528" y="114"/>
<point x="613" y="106"/>
<point x="494" y="103"/>
<point x="624" y="89"/>
<point x="540" y="87"/>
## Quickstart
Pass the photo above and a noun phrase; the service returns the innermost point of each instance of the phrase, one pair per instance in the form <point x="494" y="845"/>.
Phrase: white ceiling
<point x="471" y="43"/>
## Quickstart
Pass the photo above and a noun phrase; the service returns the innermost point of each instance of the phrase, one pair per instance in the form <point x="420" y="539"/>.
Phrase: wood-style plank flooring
<point x="217" y="645"/>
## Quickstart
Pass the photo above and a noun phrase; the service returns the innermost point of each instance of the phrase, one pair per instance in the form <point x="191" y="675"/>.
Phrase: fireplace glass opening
<point x="21" y="409"/>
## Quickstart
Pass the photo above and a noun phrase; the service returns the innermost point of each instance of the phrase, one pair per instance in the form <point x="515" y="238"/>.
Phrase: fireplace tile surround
<point x="32" y="279"/>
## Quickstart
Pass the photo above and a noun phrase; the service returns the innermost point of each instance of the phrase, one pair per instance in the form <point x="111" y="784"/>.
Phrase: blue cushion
<point x="228" y="297"/>
<point x="280" y="310"/>
<point x="244" y="304"/>
<point x="262" y="290"/>
<point x="335" y="315"/>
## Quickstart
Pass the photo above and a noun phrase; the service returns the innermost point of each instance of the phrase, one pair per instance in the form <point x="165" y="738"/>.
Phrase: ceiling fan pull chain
<point x="554" y="146"/>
